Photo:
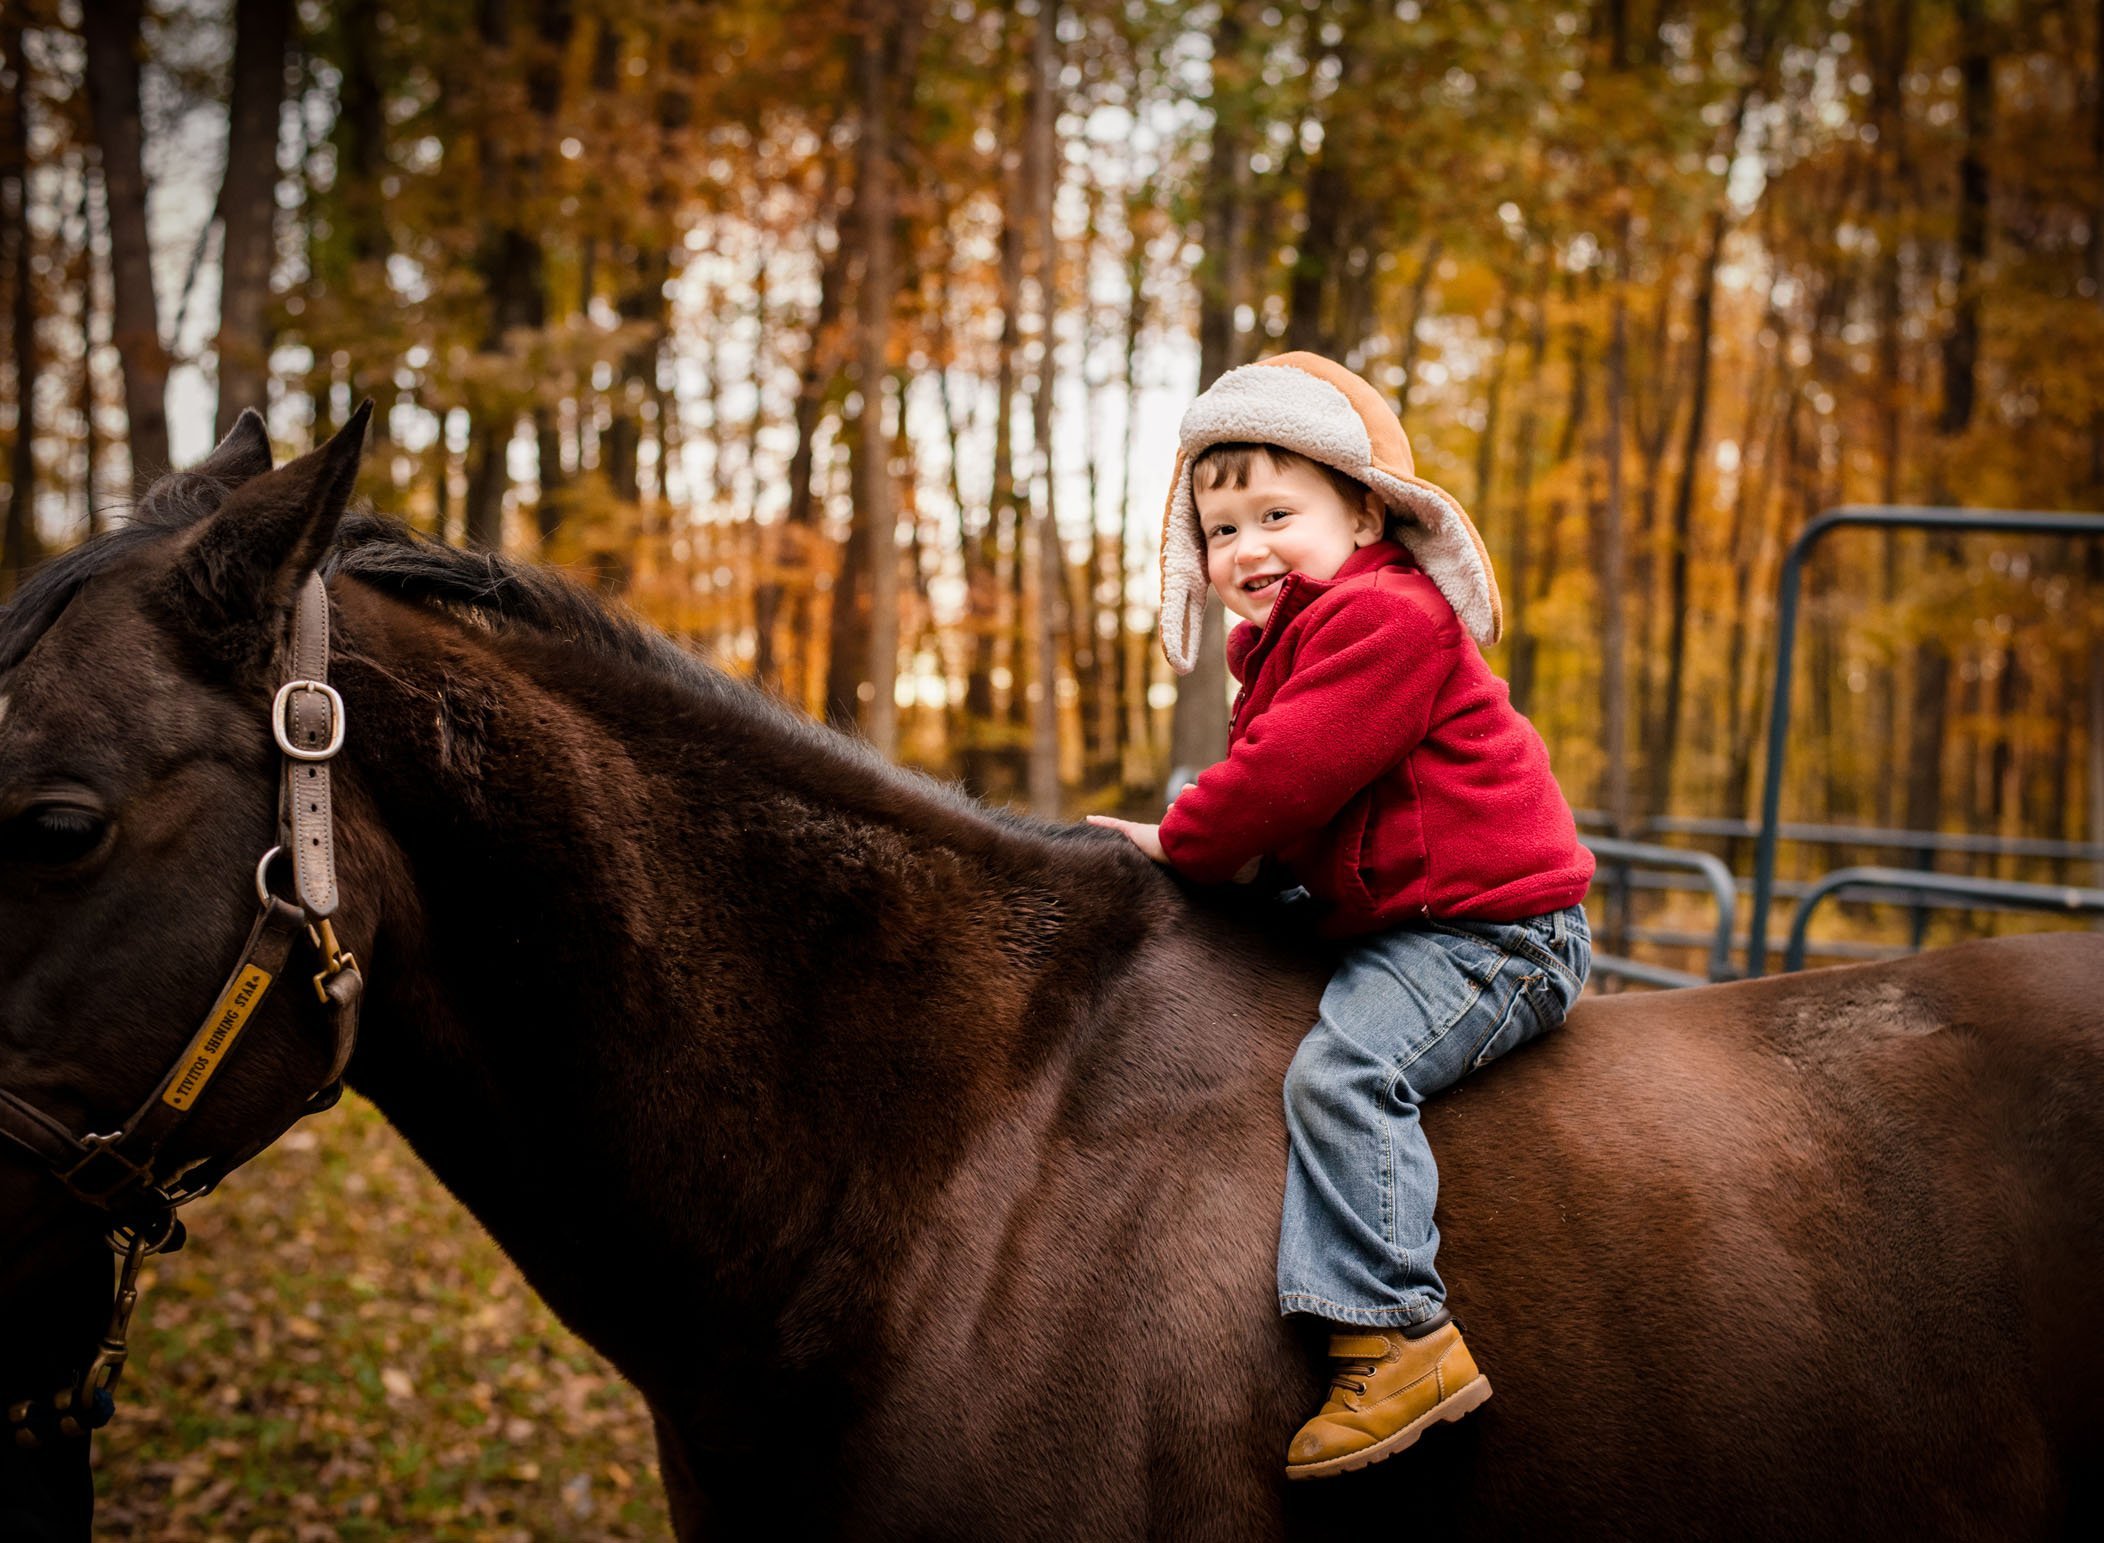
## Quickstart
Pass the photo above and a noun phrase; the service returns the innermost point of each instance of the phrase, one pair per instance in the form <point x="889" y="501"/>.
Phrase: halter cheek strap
<point x="121" y="1172"/>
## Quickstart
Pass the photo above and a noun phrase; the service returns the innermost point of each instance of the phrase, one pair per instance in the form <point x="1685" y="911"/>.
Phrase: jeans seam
<point x="1475" y="995"/>
<point x="1388" y="1173"/>
<point x="1520" y="993"/>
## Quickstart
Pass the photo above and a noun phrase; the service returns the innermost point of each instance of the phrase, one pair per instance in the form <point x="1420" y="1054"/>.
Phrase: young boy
<point x="1376" y="756"/>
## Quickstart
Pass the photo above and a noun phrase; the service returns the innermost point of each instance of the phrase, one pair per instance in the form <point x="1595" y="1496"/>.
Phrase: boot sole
<point x="1452" y="1407"/>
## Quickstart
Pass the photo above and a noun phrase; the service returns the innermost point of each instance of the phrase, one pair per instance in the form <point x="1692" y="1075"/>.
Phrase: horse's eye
<point x="52" y="835"/>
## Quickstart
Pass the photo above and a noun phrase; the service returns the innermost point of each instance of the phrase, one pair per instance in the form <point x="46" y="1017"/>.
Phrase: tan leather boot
<point x="1385" y="1392"/>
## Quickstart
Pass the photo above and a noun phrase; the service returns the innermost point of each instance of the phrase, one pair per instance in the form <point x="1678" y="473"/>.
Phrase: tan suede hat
<point x="1315" y="406"/>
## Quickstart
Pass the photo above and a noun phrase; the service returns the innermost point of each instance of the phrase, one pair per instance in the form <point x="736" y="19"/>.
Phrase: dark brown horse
<point x="922" y="1165"/>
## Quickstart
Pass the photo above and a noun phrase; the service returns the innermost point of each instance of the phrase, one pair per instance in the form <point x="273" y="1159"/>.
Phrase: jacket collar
<point x="1247" y="644"/>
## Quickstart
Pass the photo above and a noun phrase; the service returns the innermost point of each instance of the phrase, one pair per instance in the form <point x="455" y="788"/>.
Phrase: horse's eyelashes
<point x="52" y="835"/>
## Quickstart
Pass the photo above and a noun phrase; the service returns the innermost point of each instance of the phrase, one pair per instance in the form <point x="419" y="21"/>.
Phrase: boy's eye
<point x="1277" y="514"/>
<point x="1218" y="531"/>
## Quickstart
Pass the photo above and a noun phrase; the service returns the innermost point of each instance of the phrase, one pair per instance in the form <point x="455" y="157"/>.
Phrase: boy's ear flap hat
<point x="1315" y="406"/>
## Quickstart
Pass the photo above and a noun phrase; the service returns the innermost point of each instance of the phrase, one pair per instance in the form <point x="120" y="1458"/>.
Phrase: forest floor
<point x="342" y="1353"/>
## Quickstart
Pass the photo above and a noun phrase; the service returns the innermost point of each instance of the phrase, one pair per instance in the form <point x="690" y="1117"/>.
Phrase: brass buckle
<point x="335" y="958"/>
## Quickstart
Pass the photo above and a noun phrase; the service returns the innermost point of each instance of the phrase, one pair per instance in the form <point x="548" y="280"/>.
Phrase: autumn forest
<point x="846" y="340"/>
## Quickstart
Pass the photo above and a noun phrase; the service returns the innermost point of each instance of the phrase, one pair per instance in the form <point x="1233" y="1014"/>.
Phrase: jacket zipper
<point x="1254" y="664"/>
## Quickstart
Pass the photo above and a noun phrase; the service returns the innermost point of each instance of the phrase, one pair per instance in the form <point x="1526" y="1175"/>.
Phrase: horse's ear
<point x="243" y="455"/>
<point x="239" y="570"/>
<point x="184" y="497"/>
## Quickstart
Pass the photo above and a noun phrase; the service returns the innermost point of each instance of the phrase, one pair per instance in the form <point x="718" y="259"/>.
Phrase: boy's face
<point x="1285" y="519"/>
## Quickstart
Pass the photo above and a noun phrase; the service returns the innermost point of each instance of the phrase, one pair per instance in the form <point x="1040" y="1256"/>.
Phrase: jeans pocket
<point x="1522" y="1021"/>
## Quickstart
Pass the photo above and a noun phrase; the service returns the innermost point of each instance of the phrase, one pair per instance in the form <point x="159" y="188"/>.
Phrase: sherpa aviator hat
<point x="1315" y="406"/>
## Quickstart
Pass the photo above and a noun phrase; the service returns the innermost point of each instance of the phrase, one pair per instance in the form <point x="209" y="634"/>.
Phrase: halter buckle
<point x="283" y="733"/>
<point x="103" y="1147"/>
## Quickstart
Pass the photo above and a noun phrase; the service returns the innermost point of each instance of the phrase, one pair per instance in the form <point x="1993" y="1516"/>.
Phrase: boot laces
<point x="1350" y="1374"/>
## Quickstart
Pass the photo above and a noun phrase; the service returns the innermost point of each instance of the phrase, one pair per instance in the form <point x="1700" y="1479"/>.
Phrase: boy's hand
<point x="1148" y="838"/>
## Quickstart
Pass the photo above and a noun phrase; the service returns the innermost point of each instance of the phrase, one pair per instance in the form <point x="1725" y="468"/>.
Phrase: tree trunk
<point x="510" y="258"/>
<point x="1651" y="415"/>
<point x="873" y="446"/>
<point x="1051" y="561"/>
<point x="814" y="385"/>
<point x="489" y="476"/>
<point x="2096" y="255"/>
<point x="1665" y="740"/>
<point x="2093" y="764"/>
<point x="549" y="474"/>
<point x="1137" y="760"/>
<point x="1095" y="630"/>
<point x="1961" y="349"/>
<point x="90" y="433"/>
<point x="1198" y="727"/>
<point x="1748" y="549"/>
<point x="1614" y="681"/>
<point x="1890" y="42"/>
<point x="111" y="28"/>
<point x="18" y="530"/>
<point x="360" y="135"/>
<point x="1420" y="289"/>
<point x="248" y="206"/>
<point x="1494" y="400"/>
<point x="1222" y="271"/>
<point x="1327" y="282"/>
<point x="988" y="764"/>
<point x="1520" y="578"/>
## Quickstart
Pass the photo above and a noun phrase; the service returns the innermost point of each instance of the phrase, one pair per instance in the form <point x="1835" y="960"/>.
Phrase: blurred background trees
<point x="846" y="338"/>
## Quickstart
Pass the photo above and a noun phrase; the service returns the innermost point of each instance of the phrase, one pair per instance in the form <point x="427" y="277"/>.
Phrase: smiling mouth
<point x="1262" y="581"/>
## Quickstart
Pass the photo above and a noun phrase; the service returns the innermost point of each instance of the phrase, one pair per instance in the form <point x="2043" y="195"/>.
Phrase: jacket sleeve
<point x="1359" y="699"/>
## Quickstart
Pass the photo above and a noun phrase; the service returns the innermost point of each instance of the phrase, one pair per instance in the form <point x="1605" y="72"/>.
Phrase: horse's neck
<point x="653" y="992"/>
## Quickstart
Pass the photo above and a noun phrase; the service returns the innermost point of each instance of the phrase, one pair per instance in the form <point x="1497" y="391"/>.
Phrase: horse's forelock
<point x="175" y="503"/>
<point x="46" y="593"/>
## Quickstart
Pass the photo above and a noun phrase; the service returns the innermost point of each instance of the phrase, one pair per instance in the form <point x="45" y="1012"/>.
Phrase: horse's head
<point x="139" y="788"/>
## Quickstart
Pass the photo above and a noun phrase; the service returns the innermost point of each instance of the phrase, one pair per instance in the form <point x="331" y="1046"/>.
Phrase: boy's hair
<point x="1229" y="466"/>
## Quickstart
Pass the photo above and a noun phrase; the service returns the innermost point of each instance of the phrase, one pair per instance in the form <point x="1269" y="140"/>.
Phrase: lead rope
<point x="89" y="1402"/>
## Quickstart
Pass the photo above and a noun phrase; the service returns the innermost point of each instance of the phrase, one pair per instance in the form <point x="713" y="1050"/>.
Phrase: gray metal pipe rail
<point x="1648" y="974"/>
<point x="1881" y="836"/>
<point x="1627" y="854"/>
<point x="2029" y="522"/>
<point x="1901" y="884"/>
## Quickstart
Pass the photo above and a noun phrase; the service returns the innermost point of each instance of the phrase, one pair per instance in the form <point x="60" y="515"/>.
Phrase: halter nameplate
<point x="217" y="1036"/>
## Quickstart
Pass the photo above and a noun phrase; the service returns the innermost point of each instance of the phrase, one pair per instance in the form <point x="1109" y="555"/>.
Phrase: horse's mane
<point x="173" y="503"/>
<point x="503" y="595"/>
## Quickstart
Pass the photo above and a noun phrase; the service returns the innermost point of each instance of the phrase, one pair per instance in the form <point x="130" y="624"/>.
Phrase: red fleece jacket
<point x="1374" y="753"/>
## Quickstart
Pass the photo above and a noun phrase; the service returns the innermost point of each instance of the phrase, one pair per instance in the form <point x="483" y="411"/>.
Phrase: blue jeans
<point x="1408" y="1013"/>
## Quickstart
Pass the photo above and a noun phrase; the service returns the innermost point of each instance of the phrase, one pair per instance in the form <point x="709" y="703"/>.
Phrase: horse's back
<point x="1827" y="1235"/>
<point x="1804" y="1255"/>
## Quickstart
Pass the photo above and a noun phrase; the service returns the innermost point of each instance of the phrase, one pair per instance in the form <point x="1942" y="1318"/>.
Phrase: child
<point x="1377" y="757"/>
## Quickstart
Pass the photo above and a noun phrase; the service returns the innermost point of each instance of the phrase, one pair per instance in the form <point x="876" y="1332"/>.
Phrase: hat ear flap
<point x="1183" y="572"/>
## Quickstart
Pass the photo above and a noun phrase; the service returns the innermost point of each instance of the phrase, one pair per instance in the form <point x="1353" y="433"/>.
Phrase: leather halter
<point x="122" y="1172"/>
